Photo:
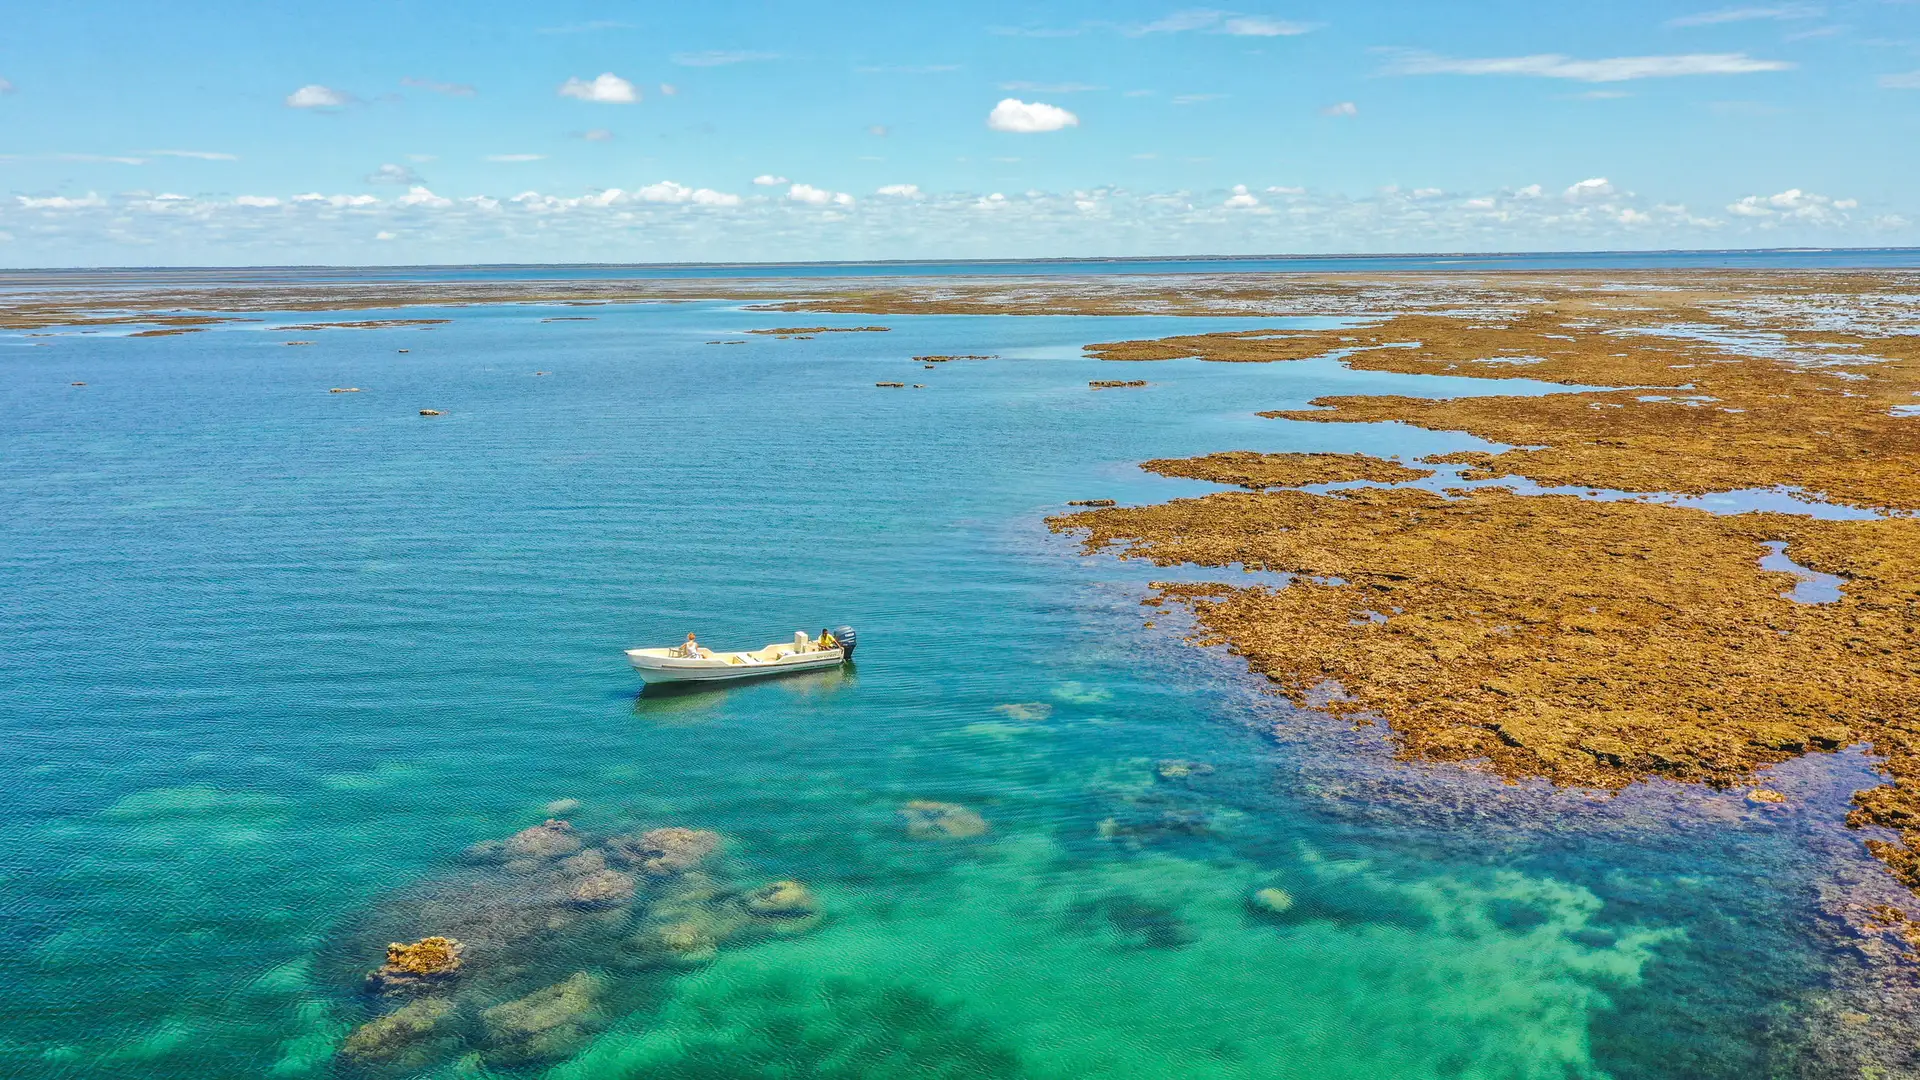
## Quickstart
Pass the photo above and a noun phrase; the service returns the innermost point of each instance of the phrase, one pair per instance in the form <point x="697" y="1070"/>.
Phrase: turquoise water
<point x="275" y="658"/>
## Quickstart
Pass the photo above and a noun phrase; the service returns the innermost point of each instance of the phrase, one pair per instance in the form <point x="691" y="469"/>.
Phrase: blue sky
<point x="238" y="133"/>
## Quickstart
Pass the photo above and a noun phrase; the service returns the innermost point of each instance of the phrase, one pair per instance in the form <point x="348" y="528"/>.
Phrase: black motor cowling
<point x="845" y="638"/>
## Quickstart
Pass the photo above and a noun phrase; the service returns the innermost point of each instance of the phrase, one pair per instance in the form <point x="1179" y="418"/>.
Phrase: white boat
<point x="801" y="654"/>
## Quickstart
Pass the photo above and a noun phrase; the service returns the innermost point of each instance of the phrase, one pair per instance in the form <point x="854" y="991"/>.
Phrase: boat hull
<point x="656" y="669"/>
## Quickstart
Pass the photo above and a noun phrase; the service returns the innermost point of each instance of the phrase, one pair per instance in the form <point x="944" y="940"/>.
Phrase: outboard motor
<point x="846" y="638"/>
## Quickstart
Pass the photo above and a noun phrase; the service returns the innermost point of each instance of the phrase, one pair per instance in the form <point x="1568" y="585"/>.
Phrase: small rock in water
<point x="601" y="889"/>
<point x="782" y="899"/>
<point x="1177" y="769"/>
<point x="1765" y="796"/>
<point x="344" y="390"/>
<point x="425" y="964"/>
<point x="430" y="412"/>
<point x="896" y="385"/>
<point x="550" y="839"/>
<point x="1090" y="502"/>
<point x="78" y="384"/>
<point x="1272" y="900"/>
<point x="663" y="852"/>
<point x="562" y="806"/>
<point x="928" y="820"/>
<point x="1025" y="711"/>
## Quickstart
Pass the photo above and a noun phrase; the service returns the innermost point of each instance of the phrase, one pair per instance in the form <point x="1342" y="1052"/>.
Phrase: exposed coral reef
<point x="1244" y="468"/>
<point x="1593" y="643"/>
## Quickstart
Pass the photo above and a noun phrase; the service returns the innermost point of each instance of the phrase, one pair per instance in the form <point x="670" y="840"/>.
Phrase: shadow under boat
<point x="678" y="696"/>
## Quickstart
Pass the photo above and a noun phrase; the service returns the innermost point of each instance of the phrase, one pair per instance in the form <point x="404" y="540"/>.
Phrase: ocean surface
<point x="275" y="658"/>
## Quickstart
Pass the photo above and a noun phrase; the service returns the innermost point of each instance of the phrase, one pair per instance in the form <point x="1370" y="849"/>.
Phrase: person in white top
<point x="691" y="649"/>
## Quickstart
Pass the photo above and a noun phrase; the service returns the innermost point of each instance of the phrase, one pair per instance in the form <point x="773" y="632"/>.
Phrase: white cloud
<point x="450" y="89"/>
<point x="1261" y="26"/>
<point x="1794" y="204"/>
<point x="721" y="57"/>
<point x="1748" y="14"/>
<point x="418" y="195"/>
<point x="597" y="135"/>
<point x="197" y="155"/>
<point x="512" y="158"/>
<point x="1218" y="22"/>
<point x="667" y="89"/>
<point x="1595" y="188"/>
<point x="1051" y="88"/>
<point x="668" y="221"/>
<point x="900" y="191"/>
<point x="1195" y="99"/>
<point x="383" y="235"/>
<point x="392" y="174"/>
<point x="1557" y="66"/>
<point x="1907" y="81"/>
<point x="316" y="198"/>
<point x="60" y="202"/>
<point x="915" y="69"/>
<point x="666" y="191"/>
<point x="315" y="96"/>
<point x="878" y="130"/>
<point x="1029" y="118"/>
<point x="605" y="88"/>
<point x="256" y="201"/>
<point x="6" y="87"/>
<point x="1342" y="108"/>
<point x="769" y="180"/>
<point x="813" y="196"/>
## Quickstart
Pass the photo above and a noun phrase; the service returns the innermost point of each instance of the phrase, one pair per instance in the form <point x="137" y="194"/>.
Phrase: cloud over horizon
<point x="1027" y="118"/>
<point x="316" y="96"/>
<point x="605" y="88"/>
<point x="1558" y="66"/>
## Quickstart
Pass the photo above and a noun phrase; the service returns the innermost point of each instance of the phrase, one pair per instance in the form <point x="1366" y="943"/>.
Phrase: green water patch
<point x="1038" y="964"/>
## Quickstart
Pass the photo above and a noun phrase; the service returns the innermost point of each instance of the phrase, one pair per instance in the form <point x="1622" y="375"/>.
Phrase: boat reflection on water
<point x="660" y="701"/>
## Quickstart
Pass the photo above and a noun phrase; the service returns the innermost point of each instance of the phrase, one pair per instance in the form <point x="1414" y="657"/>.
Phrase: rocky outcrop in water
<point x="544" y="933"/>
<point x="427" y="964"/>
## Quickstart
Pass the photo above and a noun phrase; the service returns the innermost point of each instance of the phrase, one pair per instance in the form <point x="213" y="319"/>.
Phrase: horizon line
<point x="1042" y="260"/>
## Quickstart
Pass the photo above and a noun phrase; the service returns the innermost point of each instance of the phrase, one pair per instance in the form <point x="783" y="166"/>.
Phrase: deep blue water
<point x="273" y="657"/>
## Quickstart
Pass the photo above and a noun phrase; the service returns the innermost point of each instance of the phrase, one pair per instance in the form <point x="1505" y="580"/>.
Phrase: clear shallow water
<point x="275" y="656"/>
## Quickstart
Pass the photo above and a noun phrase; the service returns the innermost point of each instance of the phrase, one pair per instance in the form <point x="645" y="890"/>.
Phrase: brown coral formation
<point x="1590" y="643"/>
<point x="365" y="324"/>
<point x="399" y="1035"/>
<point x="1244" y="468"/>
<point x="809" y="331"/>
<point x="548" y="1024"/>
<point x="660" y="852"/>
<point x="929" y="820"/>
<point x="425" y="965"/>
<point x="547" y="934"/>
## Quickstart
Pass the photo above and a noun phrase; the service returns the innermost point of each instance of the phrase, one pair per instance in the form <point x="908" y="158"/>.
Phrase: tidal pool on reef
<point x="276" y="658"/>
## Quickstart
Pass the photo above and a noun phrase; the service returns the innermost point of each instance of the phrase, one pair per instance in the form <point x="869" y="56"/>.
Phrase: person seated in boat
<point x="691" y="650"/>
